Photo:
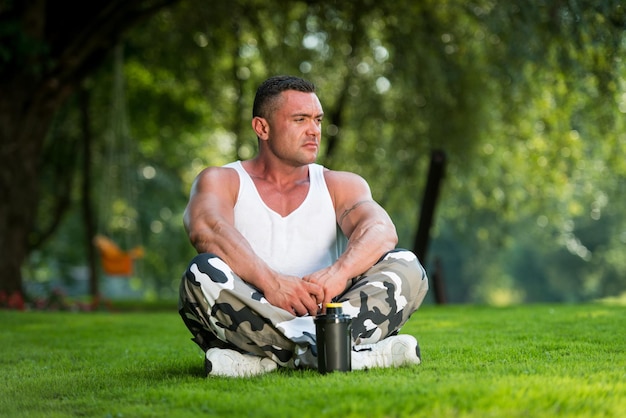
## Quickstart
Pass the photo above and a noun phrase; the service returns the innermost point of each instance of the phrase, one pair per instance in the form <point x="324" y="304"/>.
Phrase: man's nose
<point x="315" y="127"/>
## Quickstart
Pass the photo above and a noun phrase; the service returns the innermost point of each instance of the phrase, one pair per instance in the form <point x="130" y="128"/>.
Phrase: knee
<point x="200" y="260"/>
<point x="401" y="255"/>
<point x="199" y="264"/>
<point x="407" y="262"/>
<point x="207" y="266"/>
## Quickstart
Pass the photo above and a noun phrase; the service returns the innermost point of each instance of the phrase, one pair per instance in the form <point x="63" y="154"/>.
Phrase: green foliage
<point x="18" y="50"/>
<point x="539" y="360"/>
<point x="527" y="102"/>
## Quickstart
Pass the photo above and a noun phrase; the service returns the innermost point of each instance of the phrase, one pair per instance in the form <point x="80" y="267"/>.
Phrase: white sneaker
<point x="231" y="363"/>
<point x="393" y="351"/>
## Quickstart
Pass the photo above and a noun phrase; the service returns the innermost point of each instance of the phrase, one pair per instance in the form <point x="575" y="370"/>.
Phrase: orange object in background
<point x="115" y="261"/>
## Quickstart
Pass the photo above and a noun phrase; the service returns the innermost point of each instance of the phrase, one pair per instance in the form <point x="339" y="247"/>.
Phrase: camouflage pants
<point x="221" y="310"/>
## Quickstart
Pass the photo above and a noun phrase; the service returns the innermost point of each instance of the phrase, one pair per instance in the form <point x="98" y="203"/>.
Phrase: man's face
<point x="295" y="128"/>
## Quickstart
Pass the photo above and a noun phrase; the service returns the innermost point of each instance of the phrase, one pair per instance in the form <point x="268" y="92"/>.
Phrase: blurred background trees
<point x="527" y="102"/>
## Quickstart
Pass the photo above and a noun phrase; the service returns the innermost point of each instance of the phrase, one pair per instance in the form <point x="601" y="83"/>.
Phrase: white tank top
<point x="306" y="240"/>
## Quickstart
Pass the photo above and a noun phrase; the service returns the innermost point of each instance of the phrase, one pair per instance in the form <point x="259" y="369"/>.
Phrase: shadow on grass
<point x="164" y="372"/>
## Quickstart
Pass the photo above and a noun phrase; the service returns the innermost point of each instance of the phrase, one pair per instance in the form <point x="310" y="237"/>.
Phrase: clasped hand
<point x="304" y="296"/>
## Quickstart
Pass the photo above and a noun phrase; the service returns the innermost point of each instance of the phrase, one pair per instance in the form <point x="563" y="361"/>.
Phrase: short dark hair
<point x="270" y="89"/>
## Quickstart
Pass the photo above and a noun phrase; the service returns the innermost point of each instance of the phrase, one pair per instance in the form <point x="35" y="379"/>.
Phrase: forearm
<point x="228" y="244"/>
<point x="367" y="243"/>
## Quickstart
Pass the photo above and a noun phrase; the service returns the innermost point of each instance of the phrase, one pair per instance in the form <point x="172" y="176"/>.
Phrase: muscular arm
<point x="370" y="231"/>
<point x="209" y="222"/>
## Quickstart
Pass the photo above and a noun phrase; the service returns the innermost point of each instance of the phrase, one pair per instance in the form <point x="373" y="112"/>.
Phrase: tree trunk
<point x="89" y="218"/>
<point x="24" y="122"/>
<point x="45" y="56"/>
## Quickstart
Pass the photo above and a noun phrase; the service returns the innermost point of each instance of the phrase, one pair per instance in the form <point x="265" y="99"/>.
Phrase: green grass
<point x="526" y="361"/>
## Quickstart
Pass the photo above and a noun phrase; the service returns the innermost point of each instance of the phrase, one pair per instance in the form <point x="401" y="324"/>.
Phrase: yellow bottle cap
<point x="334" y="305"/>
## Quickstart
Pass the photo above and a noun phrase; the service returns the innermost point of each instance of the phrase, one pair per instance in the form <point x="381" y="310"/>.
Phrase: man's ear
<point x="261" y="127"/>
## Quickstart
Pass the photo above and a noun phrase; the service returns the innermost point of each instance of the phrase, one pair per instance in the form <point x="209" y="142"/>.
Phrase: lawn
<point x="524" y="361"/>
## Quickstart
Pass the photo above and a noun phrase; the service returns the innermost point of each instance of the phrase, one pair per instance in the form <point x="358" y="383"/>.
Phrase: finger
<point x="316" y="291"/>
<point x="318" y="306"/>
<point x="289" y="308"/>
<point x="305" y="303"/>
<point x="324" y="303"/>
<point x="302" y="309"/>
<point x="311" y="306"/>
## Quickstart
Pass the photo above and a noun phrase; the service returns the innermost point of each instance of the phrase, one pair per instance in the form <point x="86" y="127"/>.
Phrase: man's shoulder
<point x="341" y="177"/>
<point x="225" y="175"/>
<point x="232" y="164"/>
<point x="221" y="170"/>
<point x="344" y="184"/>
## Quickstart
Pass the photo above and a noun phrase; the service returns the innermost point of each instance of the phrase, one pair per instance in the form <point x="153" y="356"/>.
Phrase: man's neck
<point x="276" y="172"/>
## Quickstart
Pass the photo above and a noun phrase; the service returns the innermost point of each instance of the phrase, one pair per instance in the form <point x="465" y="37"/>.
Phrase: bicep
<point x="354" y="204"/>
<point x="365" y="214"/>
<point x="212" y="199"/>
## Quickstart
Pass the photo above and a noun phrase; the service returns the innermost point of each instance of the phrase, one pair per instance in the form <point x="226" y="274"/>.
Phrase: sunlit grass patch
<point x="525" y="361"/>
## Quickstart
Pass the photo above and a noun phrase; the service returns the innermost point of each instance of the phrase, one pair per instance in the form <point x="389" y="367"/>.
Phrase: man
<point x="278" y="237"/>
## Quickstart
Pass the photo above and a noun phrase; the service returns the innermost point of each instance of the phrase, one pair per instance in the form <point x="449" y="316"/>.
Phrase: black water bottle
<point x="334" y="340"/>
